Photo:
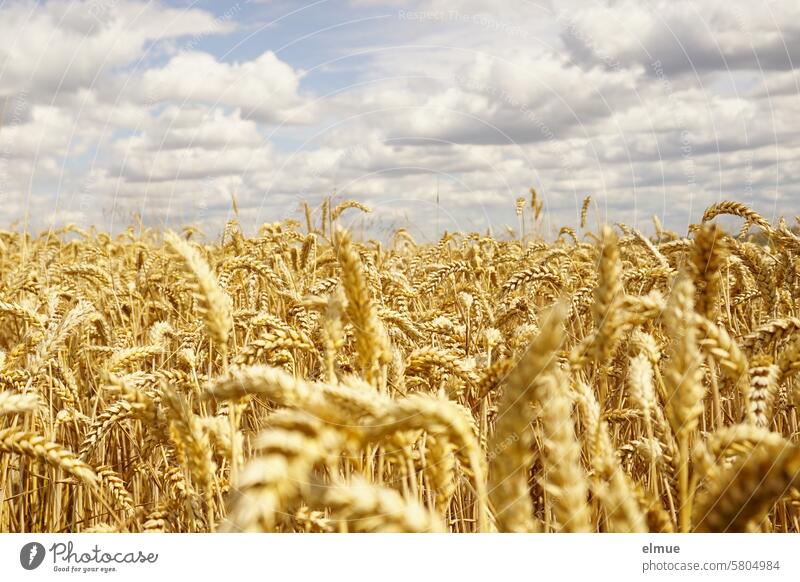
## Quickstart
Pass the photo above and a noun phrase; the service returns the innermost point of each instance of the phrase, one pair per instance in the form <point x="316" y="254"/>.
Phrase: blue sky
<point x="113" y="108"/>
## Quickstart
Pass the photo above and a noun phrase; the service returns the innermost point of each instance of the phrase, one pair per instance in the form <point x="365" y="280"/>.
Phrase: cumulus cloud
<point x="264" y="88"/>
<point x="46" y="132"/>
<point x="210" y="128"/>
<point x="683" y="36"/>
<point x="59" y="47"/>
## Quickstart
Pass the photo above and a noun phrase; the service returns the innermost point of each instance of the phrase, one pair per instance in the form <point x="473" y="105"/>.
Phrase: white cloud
<point x="47" y="132"/>
<point x="265" y="88"/>
<point x="199" y="127"/>
<point x="136" y="162"/>
<point x="62" y="46"/>
<point x="684" y="36"/>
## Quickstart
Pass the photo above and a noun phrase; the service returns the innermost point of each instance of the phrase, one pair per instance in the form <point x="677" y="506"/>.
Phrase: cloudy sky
<point x="112" y="108"/>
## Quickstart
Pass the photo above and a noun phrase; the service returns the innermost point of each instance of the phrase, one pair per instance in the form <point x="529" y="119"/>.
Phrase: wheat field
<point x="302" y="381"/>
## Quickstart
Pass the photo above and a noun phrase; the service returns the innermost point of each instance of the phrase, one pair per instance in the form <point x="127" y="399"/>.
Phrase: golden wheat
<point x="300" y="379"/>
